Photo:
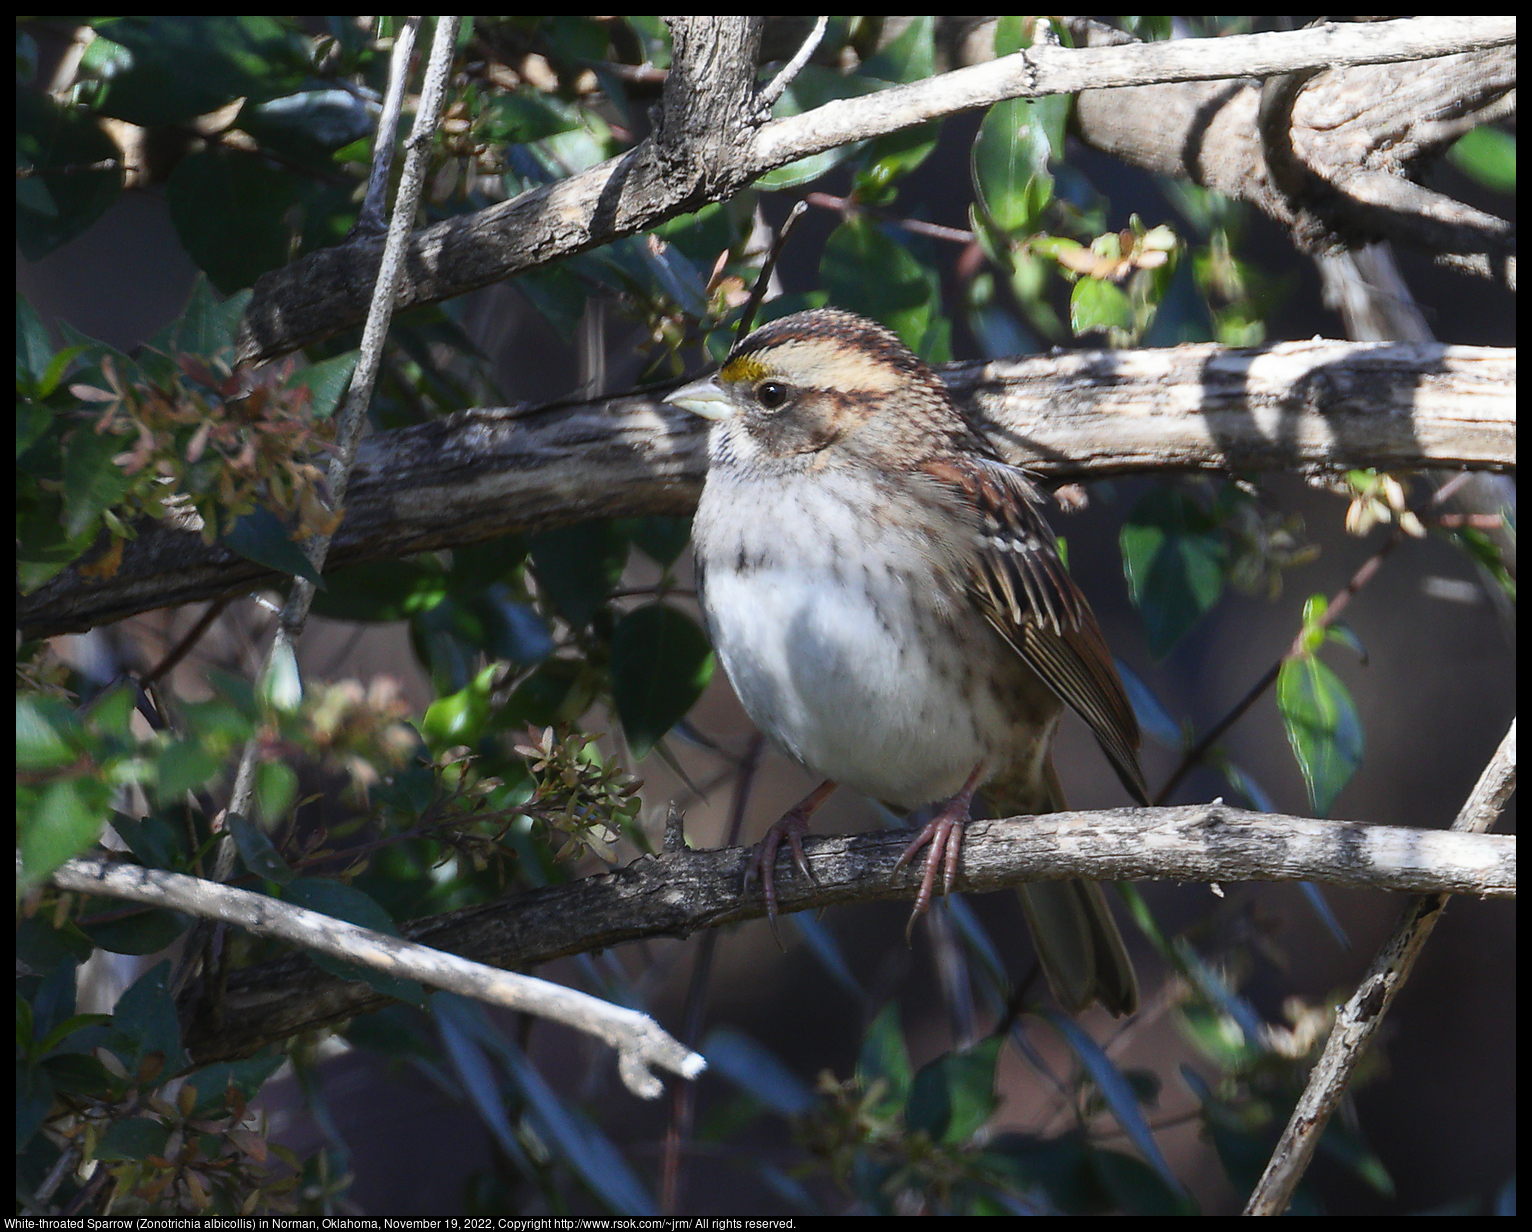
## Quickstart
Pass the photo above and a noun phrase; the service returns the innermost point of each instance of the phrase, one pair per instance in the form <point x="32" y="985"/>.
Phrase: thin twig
<point x="763" y="279"/>
<point x="1358" y="1021"/>
<point x="190" y="639"/>
<point x="371" y="218"/>
<point x="768" y="96"/>
<point x="350" y="423"/>
<point x="915" y="226"/>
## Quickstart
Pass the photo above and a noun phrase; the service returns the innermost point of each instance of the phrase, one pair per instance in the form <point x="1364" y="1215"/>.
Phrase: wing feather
<point x="1018" y="580"/>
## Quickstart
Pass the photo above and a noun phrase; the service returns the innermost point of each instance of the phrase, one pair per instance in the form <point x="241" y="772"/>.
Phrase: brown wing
<point x="1026" y="594"/>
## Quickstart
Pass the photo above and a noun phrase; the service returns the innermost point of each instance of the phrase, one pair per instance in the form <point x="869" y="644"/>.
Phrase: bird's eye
<point x="772" y="395"/>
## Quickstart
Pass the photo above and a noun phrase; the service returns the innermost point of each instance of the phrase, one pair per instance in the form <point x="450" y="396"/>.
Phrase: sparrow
<point x="891" y="608"/>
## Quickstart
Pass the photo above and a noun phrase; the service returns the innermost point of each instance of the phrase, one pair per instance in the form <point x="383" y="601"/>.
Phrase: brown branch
<point x="710" y="145"/>
<point x="676" y="894"/>
<point x="1330" y="152"/>
<point x="640" y="1042"/>
<point x="1301" y="406"/>
<point x="705" y="118"/>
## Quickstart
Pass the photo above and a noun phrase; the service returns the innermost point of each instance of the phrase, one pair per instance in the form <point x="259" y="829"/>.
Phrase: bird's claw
<point x="944" y="833"/>
<point x="789" y="828"/>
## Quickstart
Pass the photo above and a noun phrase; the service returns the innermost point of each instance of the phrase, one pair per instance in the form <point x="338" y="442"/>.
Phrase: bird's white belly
<point x="835" y="669"/>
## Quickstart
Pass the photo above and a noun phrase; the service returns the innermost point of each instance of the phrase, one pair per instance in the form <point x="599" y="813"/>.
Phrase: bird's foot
<point x="944" y="834"/>
<point x="789" y="828"/>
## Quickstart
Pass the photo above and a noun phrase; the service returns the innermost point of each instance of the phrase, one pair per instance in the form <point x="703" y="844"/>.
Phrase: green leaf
<point x="185" y="765"/>
<point x="1322" y="726"/>
<point x="383" y="590"/>
<point x="524" y="116"/>
<point x="653" y="36"/>
<point x="660" y="538"/>
<point x="448" y="638"/>
<point x="1487" y="554"/>
<point x="63" y="198"/>
<point x="1009" y="162"/>
<point x="477" y="567"/>
<point x="459" y="718"/>
<point x="146" y="1020"/>
<point x="57" y="1039"/>
<point x="559" y="690"/>
<point x="326" y="381"/>
<point x="703" y="235"/>
<point x="155" y="841"/>
<point x="256" y="850"/>
<point x="814" y="86"/>
<point x="892" y="156"/>
<point x="44" y="734"/>
<point x="276" y="787"/>
<point x="261" y="537"/>
<point x="167" y="70"/>
<point x="578" y="566"/>
<point x="1173" y="557"/>
<point x="134" y="1138"/>
<point x="909" y="57"/>
<point x="247" y="1077"/>
<point x="230" y="209"/>
<point x="92" y="481"/>
<point x="41" y="946"/>
<point x="556" y="293"/>
<point x="34" y="1097"/>
<point x="661" y="662"/>
<point x="207" y="326"/>
<point x="1096" y="304"/>
<point x="905" y="296"/>
<point x="34" y="345"/>
<point x="1488" y="155"/>
<point x="955" y="1094"/>
<point x="65" y="819"/>
<point x="885" y="1055"/>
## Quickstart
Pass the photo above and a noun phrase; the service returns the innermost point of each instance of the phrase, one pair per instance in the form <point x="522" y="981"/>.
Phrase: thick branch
<point x="1328" y="154"/>
<point x="1301" y="406"/>
<point x="677" y="170"/>
<point x="676" y="894"/>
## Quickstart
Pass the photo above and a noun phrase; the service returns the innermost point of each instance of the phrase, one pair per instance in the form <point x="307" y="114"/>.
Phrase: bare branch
<point x="707" y="148"/>
<point x="353" y="416"/>
<point x="1297" y="406"/>
<point x="1064" y="70"/>
<point x="1327" y="151"/>
<point x="773" y="91"/>
<point x="639" y="1040"/>
<point x="1357" y="1022"/>
<point x="678" y="893"/>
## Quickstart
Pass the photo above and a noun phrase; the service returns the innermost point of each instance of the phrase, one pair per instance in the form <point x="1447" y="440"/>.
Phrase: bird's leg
<point x="944" y="832"/>
<point x="791" y="826"/>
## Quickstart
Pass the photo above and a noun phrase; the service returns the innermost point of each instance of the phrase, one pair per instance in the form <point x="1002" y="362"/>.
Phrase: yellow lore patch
<point x="744" y="368"/>
<point x="817" y="363"/>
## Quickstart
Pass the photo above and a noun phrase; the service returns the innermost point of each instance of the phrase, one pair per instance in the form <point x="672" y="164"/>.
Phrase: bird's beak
<point x="703" y="398"/>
